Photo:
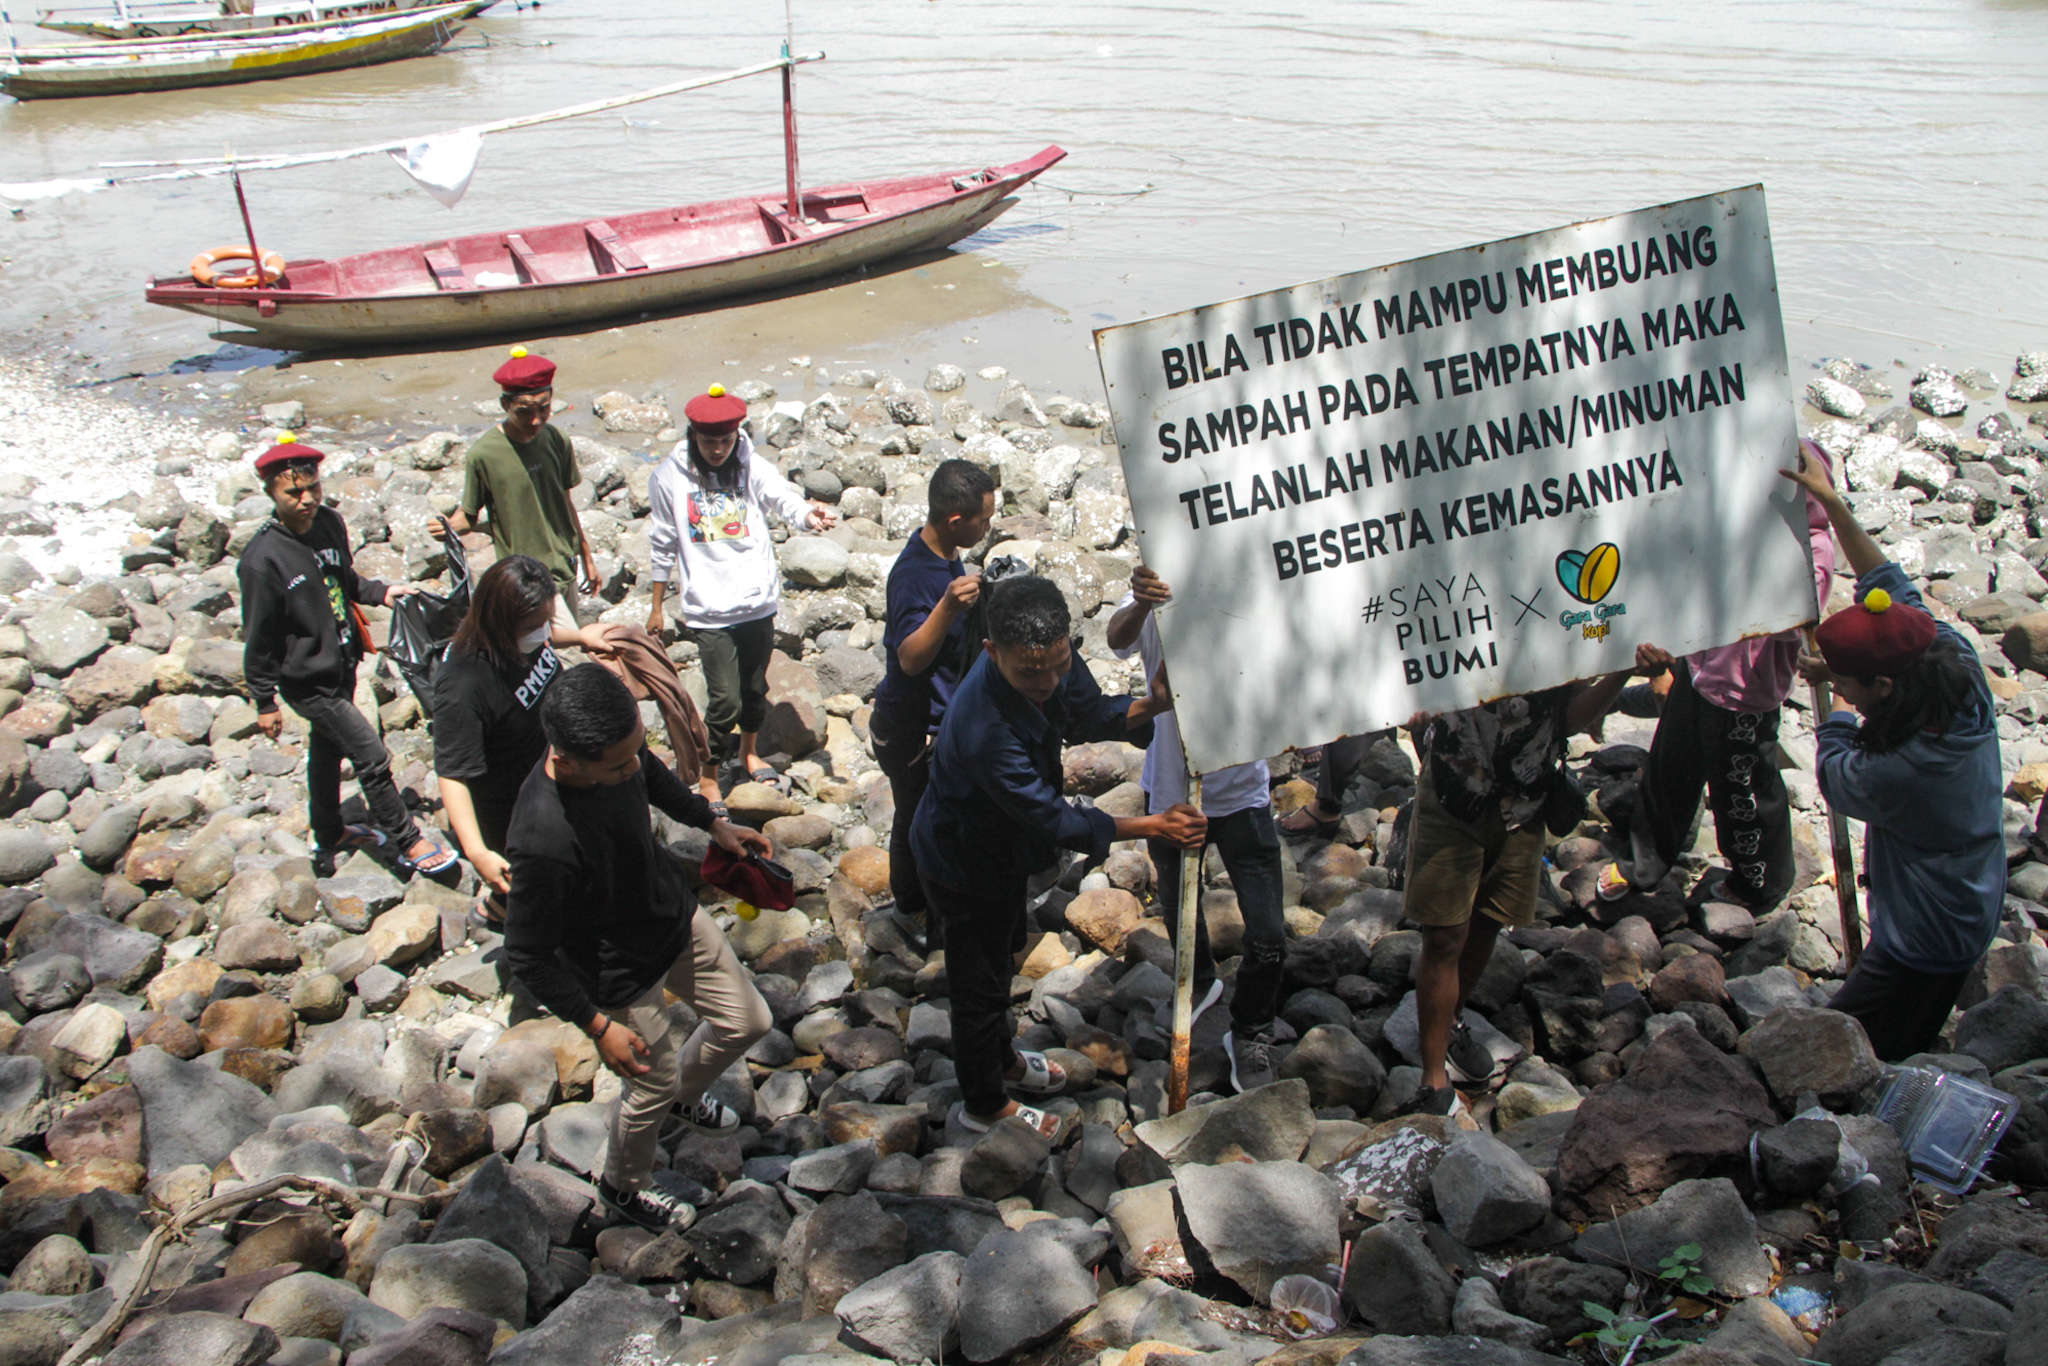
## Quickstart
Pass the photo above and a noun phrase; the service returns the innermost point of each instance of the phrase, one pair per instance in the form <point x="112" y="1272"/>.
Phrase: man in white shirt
<point x="1239" y="804"/>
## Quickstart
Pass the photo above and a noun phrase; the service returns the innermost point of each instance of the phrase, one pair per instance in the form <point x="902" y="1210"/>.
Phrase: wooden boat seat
<point x="780" y="228"/>
<point x="448" y="272"/>
<point x="610" y="251"/>
<point x="527" y="261"/>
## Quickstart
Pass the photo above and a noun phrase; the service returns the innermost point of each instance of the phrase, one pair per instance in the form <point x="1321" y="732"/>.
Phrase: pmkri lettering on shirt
<point x="297" y="579"/>
<point x="329" y="556"/>
<point x="545" y="666"/>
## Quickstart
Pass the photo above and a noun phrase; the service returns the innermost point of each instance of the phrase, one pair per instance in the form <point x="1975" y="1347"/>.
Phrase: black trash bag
<point x="422" y="624"/>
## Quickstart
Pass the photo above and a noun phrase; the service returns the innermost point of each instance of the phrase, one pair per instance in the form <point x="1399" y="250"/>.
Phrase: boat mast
<point x="794" y="209"/>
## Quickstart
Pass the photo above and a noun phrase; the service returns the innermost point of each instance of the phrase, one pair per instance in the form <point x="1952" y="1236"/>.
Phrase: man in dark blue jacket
<point x="993" y="815"/>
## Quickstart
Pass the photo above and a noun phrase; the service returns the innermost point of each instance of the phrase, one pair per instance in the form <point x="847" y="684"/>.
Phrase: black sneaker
<point x="1251" y="1059"/>
<point x="651" y="1208"/>
<point x="1444" y="1100"/>
<point x="1468" y="1057"/>
<point x="708" y="1116"/>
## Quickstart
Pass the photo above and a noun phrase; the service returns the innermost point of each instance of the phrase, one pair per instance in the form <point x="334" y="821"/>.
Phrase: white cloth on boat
<point x="442" y="164"/>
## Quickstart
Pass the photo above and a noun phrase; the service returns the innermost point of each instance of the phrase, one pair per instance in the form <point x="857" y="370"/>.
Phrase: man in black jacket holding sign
<point x="302" y="639"/>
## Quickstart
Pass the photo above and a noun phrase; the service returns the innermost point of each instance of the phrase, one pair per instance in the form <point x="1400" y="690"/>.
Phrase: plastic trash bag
<point x="1307" y="1306"/>
<point x="1804" y="1306"/>
<point x="422" y="624"/>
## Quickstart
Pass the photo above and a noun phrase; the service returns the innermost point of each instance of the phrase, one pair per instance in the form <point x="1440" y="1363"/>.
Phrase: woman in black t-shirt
<point x="487" y="691"/>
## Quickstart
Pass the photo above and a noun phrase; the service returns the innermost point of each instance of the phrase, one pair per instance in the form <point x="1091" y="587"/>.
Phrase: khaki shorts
<point x="1455" y="869"/>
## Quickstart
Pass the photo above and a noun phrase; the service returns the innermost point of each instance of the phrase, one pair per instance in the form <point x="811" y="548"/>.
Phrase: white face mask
<point x="536" y="638"/>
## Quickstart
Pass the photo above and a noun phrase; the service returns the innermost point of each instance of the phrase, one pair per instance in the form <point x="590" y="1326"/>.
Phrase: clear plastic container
<point x="1308" y="1307"/>
<point x="1948" y="1124"/>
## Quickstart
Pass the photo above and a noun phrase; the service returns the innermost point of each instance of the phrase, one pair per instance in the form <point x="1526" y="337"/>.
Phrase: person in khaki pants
<point x="602" y="924"/>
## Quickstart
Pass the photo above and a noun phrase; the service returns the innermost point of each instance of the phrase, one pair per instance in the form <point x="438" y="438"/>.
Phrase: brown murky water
<point x="1215" y="149"/>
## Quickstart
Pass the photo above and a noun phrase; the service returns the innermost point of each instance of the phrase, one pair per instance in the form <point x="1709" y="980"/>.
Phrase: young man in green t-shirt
<point x="520" y="472"/>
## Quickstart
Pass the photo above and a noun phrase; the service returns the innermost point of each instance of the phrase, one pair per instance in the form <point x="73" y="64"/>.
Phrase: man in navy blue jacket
<point x="993" y="815"/>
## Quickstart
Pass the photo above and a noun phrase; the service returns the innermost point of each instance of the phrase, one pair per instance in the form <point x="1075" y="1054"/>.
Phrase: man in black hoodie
<point x="603" y="928"/>
<point x="302" y="639"/>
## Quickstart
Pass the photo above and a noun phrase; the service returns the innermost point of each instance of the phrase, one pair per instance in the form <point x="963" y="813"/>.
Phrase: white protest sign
<point x="1466" y="476"/>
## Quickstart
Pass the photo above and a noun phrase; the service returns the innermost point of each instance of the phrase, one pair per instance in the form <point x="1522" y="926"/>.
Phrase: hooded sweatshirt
<point x="1934" y="812"/>
<point x="713" y="542"/>
<point x="299" y="638"/>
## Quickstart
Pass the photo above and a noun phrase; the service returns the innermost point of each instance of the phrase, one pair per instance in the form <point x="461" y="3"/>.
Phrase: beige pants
<point x="709" y="977"/>
<point x="567" y="600"/>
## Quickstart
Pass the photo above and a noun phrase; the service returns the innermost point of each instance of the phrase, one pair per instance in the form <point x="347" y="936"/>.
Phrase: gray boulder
<point x="62" y="638"/>
<point x="1486" y="1193"/>
<point x="24" y="1099"/>
<point x="466" y="1273"/>
<point x="114" y="955"/>
<point x="1259" y="1221"/>
<point x="23" y="856"/>
<point x="1709" y="1213"/>
<point x="192" y="1113"/>
<point x="108" y="837"/>
<point x="1017" y="1291"/>
<point x="605" y="1320"/>
<point x="495" y="1209"/>
<point x="909" y="1314"/>
<point x="439" y="1337"/>
<point x="2009" y="1029"/>
<point x="1396" y="1284"/>
<point x="1904" y="1314"/>
<point x="48" y="979"/>
<point x="187" y="1339"/>
<point x="813" y="561"/>
<point x="1271" y="1124"/>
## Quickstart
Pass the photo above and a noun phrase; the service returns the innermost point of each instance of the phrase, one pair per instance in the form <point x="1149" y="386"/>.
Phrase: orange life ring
<point x="203" y="269"/>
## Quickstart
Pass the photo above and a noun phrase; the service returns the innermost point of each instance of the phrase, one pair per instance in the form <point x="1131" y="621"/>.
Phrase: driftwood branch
<point x="349" y="1198"/>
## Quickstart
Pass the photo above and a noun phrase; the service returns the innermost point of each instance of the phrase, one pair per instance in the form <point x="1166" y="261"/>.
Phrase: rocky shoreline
<point x="366" y="1158"/>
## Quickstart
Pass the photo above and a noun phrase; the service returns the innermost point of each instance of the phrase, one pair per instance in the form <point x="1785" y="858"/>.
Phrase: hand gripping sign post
<point x="1476" y="474"/>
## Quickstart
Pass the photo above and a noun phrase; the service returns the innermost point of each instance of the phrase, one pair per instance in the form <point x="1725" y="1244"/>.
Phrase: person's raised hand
<point x="963" y="592"/>
<point x="271" y="723"/>
<point x="1812" y="474"/>
<point x="1420" y="721"/>
<point x="1160" y="692"/>
<point x="1814" y="669"/>
<point x="739" y="840"/>
<point x="621" y="1050"/>
<point x="1149" y="589"/>
<point x="1652" y="660"/>
<point x="1183" y="825"/>
<point x="491" y="866"/>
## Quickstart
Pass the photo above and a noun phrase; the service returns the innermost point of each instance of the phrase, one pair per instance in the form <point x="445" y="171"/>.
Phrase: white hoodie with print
<point x="713" y="543"/>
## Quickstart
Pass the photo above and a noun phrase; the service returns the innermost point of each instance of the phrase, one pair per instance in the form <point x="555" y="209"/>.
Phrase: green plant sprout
<point x="1682" y="1269"/>
<point x="1627" y="1334"/>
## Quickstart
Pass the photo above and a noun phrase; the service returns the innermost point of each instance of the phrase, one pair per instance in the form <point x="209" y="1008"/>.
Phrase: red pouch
<point x="758" y="881"/>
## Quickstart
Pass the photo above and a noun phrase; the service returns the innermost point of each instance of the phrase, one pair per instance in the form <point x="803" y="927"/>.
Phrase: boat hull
<point x="226" y="65"/>
<point x="308" y="321"/>
<point x="178" y="20"/>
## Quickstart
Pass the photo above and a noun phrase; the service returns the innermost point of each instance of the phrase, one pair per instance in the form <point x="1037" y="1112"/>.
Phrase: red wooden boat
<point x="540" y="279"/>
